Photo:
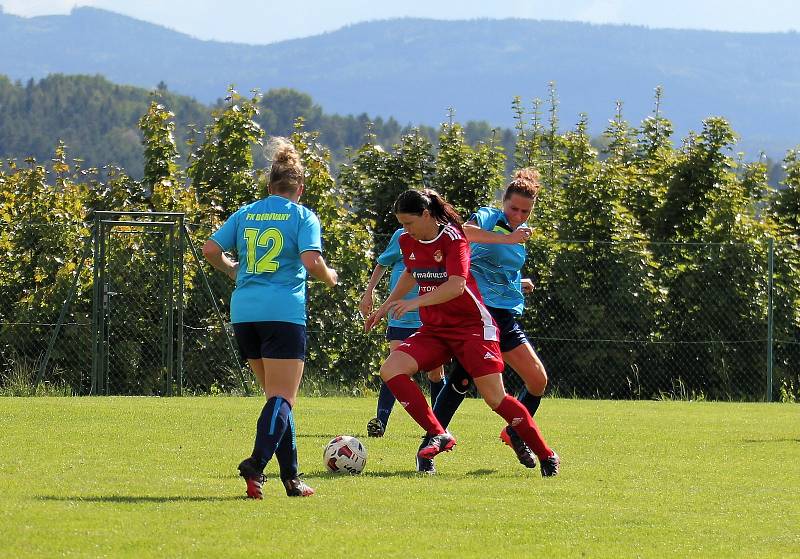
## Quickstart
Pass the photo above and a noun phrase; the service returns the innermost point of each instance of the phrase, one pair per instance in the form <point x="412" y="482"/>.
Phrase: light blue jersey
<point x="269" y="235"/>
<point x="393" y="258"/>
<point x="496" y="267"/>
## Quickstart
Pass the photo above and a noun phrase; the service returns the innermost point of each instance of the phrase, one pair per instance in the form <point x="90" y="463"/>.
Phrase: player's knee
<point x="391" y="369"/>
<point x="493" y="400"/>
<point x="538" y="384"/>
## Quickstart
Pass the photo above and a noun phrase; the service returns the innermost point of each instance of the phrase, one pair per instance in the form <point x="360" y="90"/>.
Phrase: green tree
<point x="221" y="169"/>
<point x="339" y="353"/>
<point x="467" y="177"/>
<point x="602" y="285"/>
<point x="716" y="290"/>
<point x="785" y="211"/>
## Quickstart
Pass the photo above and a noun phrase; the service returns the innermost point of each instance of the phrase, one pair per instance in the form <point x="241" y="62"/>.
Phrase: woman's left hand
<point x="233" y="271"/>
<point x="398" y="308"/>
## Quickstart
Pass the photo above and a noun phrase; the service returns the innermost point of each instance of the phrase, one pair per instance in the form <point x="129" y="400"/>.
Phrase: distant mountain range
<point x="414" y="69"/>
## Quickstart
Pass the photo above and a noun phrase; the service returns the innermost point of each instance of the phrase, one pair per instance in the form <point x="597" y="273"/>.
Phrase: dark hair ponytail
<point x="415" y="202"/>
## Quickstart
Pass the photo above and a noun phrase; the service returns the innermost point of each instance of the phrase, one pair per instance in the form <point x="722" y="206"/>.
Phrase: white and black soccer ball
<point x="345" y="455"/>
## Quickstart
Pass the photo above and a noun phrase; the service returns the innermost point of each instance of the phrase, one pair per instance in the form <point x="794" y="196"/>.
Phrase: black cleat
<point x="551" y="465"/>
<point x="434" y="444"/>
<point x="375" y="428"/>
<point x="425" y="465"/>
<point x="524" y="453"/>
<point x="296" y="487"/>
<point x="254" y="479"/>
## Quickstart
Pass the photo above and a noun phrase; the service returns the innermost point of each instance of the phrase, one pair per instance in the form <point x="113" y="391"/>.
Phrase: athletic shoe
<point x="375" y="428"/>
<point x="297" y="488"/>
<point x="524" y="453"/>
<point x="550" y="465"/>
<point x="254" y="479"/>
<point x="425" y="465"/>
<point x="433" y="445"/>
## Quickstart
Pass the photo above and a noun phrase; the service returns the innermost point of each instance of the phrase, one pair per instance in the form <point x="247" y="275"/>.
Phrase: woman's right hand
<point x="366" y="303"/>
<point x="519" y="235"/>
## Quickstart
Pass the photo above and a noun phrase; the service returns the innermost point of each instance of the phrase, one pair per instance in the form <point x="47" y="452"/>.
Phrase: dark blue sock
<point x="436" y="387"/>
<point x="286" y="453"/>
<point x="451" y="395"/>
<point x="270" y="429"/>
<point x="385" y="404"/>
<point x="530" y="401"/>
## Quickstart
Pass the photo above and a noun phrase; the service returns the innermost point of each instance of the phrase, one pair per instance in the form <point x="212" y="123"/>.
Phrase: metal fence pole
<point x="170" y="309"/>
<point x="770" y="320"/>
<point x="181" y="287"/>
<point x="210" y="296"/>
<point x="62" y="315"/>
<point x="96" y="298"/>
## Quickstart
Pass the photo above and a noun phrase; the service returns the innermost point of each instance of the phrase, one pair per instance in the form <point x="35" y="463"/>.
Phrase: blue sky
<point x="260" y="21"/>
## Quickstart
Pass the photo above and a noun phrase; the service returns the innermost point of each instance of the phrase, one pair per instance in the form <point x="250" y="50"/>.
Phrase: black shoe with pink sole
<point x="436" y="444"/>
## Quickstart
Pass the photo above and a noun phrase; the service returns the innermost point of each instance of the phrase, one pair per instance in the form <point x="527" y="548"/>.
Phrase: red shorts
<point x="431" y="347"/>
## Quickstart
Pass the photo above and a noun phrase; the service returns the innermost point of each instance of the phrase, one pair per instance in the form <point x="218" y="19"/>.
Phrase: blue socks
<point x="270" y="429"/>
<point x="436" y="387"/>
<point x="385" y="404"/>
<point x="286" y="453"/>
<point x="451" y="395"/>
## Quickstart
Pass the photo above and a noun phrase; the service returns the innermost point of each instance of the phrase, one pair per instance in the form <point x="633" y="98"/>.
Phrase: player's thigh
<point x="491" y="389"/>
<point x="427" y="352"/>
<point x="257" y="366"/>
<point x="529" y="367"/>
<point x="282" y="377"/>
<point x="434" y="375"/>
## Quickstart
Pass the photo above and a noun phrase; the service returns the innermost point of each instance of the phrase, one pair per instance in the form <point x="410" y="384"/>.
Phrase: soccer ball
<point x="345" y="455"/>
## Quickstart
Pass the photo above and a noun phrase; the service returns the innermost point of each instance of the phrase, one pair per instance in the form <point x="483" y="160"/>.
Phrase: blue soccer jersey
<point x="269" y="235"/>
<point x="496" y="267"/>
<point x="393" y="258"/>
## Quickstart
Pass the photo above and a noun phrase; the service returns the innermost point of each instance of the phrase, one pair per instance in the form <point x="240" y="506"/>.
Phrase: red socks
<point x="413" y="400"/>
<point x="518" y="417"/>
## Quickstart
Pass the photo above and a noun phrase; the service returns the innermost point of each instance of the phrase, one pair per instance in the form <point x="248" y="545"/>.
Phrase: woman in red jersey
<point x="455" y="323"/>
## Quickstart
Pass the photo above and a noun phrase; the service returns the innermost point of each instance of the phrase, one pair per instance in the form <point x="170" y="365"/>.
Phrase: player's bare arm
<point x="219" y="260"/>
<point x="368" y="299"/>
<point x="316" y="266"/>
<point x="452" y="288"/>
<point x="475" y="234"/>
<point x="405" y="283"/>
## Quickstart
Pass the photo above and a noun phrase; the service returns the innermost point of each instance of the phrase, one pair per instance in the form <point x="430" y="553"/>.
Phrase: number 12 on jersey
<point x="270" y="239"/>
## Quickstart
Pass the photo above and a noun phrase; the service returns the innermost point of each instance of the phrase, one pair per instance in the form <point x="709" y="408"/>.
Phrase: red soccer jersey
<point x="431" y="263"/>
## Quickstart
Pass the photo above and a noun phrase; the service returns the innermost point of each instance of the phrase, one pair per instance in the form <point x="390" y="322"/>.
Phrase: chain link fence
<point x="609" y="320"/>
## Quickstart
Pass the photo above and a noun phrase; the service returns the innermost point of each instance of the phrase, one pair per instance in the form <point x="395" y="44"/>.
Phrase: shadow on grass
<point x="761" y="441"/>
<point x="136" y="499"/>
<point x="482" y="472"/>
<point x="396" y="473"/>
<point x="360" y="436"/>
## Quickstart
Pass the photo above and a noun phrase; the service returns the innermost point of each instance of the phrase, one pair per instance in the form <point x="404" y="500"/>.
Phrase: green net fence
<point x="609" y="320"/>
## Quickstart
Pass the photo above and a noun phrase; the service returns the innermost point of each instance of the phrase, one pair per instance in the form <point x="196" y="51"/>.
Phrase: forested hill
<point x="98" y="120"/>
<point x="414" y="69"/>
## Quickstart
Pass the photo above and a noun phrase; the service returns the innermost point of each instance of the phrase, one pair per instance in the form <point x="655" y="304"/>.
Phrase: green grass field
<point x="146" y="477"/>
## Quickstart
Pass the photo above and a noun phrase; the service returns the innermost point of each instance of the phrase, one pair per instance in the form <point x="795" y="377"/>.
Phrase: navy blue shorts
<point x="270" y="340"/>
<point x="511" y="334"/>
<point x="398" y="333"/>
